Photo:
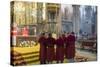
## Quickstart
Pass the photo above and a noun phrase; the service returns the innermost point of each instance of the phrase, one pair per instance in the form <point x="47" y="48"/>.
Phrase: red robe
<point x="50" y="49"/>
<point x="65" y="39"/>
<point x="25" y="31"/>
<point x="65" y="42"/>
<point x="70" y="47"/>
<point x="43" y="50"/>
<point x="60" y="49"/>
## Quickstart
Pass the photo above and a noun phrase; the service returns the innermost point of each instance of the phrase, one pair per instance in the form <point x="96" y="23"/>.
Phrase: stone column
<point x="76" y="19"/>
<point x="59" y="21"/>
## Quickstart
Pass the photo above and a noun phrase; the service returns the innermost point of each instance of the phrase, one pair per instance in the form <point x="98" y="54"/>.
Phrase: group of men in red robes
<point x="55" y="49"/>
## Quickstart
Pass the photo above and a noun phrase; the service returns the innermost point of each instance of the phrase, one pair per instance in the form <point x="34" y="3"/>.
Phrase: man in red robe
<point x="64" y="38"/>
<point x="70" y="47"/>
<point x="60" y="49"/>
<point x="65" y="41"/>
<point x="50" y="48"/>
<point x="25" y="31"/>
<point x="42" y="41"/>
